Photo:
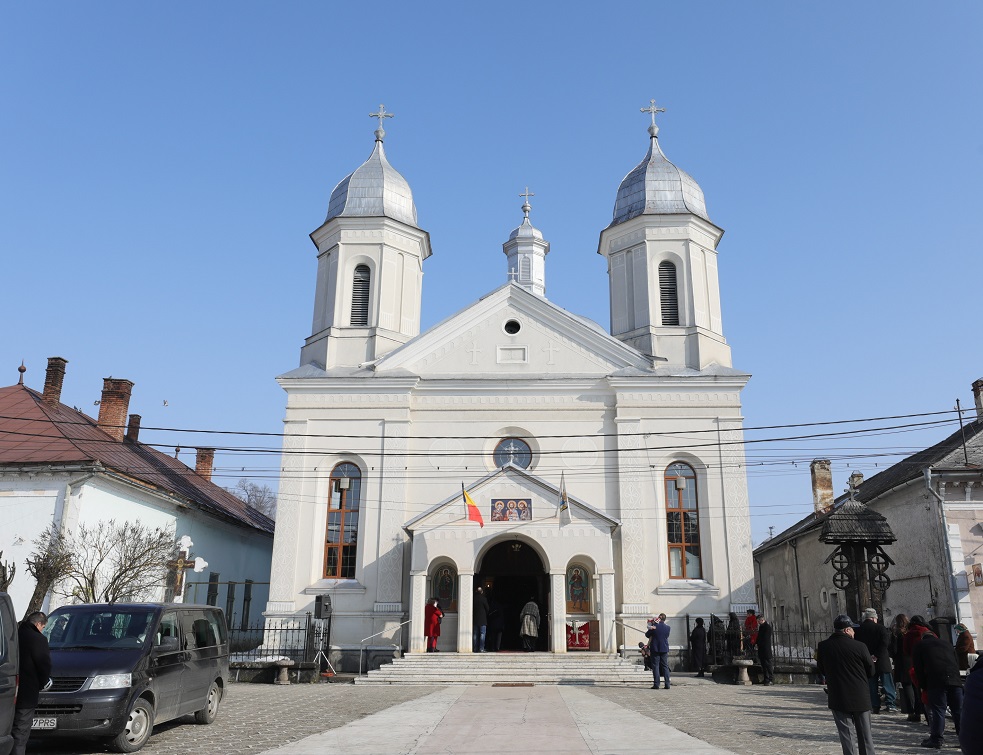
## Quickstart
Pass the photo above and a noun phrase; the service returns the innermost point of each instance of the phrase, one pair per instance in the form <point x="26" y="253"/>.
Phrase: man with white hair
<point x="877" y="638"/>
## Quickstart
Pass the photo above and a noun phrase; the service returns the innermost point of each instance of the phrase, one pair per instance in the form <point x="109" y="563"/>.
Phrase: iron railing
<point x="397" y="642"/>
<point x="294" y="638"/>
<point x="725" y="643"/>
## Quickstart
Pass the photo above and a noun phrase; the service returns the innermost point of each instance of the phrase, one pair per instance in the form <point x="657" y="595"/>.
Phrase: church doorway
<point x="512" y="573"/>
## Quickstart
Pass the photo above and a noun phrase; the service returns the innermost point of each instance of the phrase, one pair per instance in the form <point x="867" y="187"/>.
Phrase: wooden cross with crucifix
<point x="183" y="562"/>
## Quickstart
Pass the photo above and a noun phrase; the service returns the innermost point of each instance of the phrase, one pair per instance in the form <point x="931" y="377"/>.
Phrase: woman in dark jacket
<point x="698" y="647"/>
<point x="917" y="628"/>
<point x="902" y="668"/>
<point x="964" y="646"/>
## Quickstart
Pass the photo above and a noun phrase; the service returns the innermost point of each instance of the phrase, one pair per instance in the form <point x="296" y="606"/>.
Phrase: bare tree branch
<point x="114" y="562"/>
<point x="258" y="497"/>
<point x="48" y="563"/>
<point x="8" y="569"/>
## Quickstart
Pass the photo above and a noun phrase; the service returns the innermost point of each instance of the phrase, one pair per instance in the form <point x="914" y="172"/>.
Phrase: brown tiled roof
<point x="34" y="433"/>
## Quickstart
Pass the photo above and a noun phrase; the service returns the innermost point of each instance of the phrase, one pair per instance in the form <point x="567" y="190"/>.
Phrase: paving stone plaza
<point x="695" y="716"/>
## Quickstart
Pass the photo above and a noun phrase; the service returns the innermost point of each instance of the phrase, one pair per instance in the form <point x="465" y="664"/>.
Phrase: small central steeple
<point x="526" y="253"/>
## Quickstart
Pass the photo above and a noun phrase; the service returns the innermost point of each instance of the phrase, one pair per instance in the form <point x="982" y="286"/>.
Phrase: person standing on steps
<point x="937" y="672"/>
<point x="529" y="625"/>
<point x="479" y="615"/>
<point x="698" y="645"/>
<point x="658" y="636"/>
<point x="431" y="623"/>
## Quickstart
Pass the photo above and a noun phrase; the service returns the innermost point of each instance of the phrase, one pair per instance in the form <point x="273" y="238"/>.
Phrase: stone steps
<point x="590" y="669"/>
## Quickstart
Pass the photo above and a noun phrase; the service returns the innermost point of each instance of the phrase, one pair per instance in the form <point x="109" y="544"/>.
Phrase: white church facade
<point x="606" y="465"/>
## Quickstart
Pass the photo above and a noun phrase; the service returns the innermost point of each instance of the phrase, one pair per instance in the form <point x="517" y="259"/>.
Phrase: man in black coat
<point x="766" y="653"/>
<point x="937" y="673"/>
<point x="479" y="615"/>
<point x="877" y="638"/>
<point x="35" y="671"/>
<point x="847" y="666"/>
<point x="971" y="730"/>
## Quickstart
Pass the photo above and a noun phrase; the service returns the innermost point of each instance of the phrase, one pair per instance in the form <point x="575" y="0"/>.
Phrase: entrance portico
<point x="564" y="559"/>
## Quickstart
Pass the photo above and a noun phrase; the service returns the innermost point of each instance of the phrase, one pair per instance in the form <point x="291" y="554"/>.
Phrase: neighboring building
<point x="519" y="402"/>
<point x="933" y="502"/>
<point x="59" y="466"/>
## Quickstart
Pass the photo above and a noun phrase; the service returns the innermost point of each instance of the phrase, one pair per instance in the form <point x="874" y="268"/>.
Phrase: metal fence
<point x="297" y="638"/>
<point x="725" y="642"/>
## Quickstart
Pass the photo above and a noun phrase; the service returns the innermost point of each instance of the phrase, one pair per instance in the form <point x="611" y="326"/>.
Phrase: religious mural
<point x="511" y="509"/>
<point x="578" y="589"/>
<point x="445" y="587"/>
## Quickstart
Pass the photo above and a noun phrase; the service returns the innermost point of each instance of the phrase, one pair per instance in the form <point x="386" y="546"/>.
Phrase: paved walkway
<point x="466" y="720"/>
<point x="339" y="718"/>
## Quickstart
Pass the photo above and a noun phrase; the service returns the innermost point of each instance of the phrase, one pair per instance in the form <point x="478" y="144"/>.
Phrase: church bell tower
<point x="370" y="254"/>
<point x="661" y="249"/>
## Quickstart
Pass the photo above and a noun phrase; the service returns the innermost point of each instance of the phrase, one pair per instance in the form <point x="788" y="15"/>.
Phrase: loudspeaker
<point x="322" y="607"/>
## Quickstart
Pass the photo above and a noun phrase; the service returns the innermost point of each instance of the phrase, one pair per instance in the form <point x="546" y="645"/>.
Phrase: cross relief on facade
<point x="473" y="350"/>
<point x="551" y="349"/>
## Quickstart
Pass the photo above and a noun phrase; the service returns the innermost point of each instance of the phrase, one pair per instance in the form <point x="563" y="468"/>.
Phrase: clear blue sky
<point x="163" y="163"/>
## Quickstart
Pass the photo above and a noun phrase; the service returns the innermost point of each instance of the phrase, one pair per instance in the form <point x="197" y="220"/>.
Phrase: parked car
<point x="117" y="670"/>
<point x="8" y="671"/>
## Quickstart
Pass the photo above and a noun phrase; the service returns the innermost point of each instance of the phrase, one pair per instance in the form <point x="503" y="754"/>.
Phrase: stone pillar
<point x="418" y="597"/>
<point x="608" y="638"/>
<point x="558" y="611"/>
<point x="465" y="601"/>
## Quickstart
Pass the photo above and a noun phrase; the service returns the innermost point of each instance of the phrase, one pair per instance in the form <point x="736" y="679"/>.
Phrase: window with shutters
<point x="668" y="293"/>
<point x="341" y="535"/>
<point x="683" y="523"/>
<point x="525" y="269"/>
<point x="360" y="296"/>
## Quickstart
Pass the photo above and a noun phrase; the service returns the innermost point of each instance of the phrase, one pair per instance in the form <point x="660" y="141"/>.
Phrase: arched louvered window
<point x="360" y="296"/>
<point x="668" y="293"/>
<point x="525" y="269"/>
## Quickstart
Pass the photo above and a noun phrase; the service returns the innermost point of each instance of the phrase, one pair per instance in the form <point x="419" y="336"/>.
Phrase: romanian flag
<point x="564" y="503"/>
<point x="474" y="513"/>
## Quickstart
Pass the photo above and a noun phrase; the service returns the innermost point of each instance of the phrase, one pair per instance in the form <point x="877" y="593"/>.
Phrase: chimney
<point x="114" y="405"/>
<point x="822" y="485"/>
<point x="978" y="395"/>
<point x="53" y="379"/>
<point x="203" y="462"/>
<point x="133" y="428"/>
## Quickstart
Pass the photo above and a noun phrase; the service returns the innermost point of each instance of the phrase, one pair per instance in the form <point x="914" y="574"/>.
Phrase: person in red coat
<point x="431" y="624"/>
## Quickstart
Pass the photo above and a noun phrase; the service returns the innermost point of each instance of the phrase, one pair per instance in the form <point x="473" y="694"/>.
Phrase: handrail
<point x="361" y="643"/>
<point x="626" y="626"/>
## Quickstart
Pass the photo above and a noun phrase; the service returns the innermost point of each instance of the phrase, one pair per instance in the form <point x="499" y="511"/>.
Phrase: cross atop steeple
<point x="525" y="205"/>
<point x="653" y="129"/>
<point x="380" y="133"/>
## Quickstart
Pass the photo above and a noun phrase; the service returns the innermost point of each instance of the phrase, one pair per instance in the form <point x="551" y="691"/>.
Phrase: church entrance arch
<point x="512" y="572"/>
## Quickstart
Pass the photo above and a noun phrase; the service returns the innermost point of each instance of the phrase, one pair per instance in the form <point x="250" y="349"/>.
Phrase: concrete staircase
<point x="590" y="669"/>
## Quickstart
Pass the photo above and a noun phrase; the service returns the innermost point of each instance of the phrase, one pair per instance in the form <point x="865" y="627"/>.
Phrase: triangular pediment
<point x="511" y="484"/>
<point x="512" y="332"/>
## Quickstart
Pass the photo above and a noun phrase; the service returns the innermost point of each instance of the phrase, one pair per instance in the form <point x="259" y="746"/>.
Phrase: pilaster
<point x="418" y="589"/>
<point x="465" y="606"/>
<point x="558" y="612"/>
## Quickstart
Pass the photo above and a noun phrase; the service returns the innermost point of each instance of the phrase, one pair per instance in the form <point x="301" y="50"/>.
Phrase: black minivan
<point x="119" y="669"/>
<point x="8" y="671"/>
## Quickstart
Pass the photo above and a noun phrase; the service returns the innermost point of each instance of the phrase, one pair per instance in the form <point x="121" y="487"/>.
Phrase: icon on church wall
<point x="511" y="509"/>
<point x="978" y="575"/>
<point x="445" y="582"/>
<point x="578" y="596"/>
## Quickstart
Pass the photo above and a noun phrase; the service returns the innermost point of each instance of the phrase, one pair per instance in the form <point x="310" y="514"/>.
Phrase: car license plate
<point x="44" y="723"/>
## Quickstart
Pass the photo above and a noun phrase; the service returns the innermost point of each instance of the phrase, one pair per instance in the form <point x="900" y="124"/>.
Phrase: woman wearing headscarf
<point x="964" y="646"/>
<point x="529" y="625"/>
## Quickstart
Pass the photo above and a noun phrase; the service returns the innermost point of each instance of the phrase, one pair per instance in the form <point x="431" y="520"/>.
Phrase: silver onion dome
<point x="657" y="187"/>
<point x="374" y="189"/>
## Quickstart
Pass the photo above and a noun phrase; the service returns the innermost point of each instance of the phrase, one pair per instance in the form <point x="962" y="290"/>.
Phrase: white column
<point x="465" y="600"/>
<point x="608" y="638"/>
<point x="418" y="592"/>
<point x="558" y="612"/>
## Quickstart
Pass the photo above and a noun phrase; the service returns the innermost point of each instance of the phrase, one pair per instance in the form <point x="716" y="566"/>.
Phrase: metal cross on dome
<point x="525" y="205"/>
<point x="653" y="129"/>
<point x="381" y="115"/>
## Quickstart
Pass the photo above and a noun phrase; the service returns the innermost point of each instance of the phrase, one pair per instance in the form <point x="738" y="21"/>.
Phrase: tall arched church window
<point x="668" y="293"/>
<point x="341" y="535"/>
<point x="360" y="295"/>
<point x="683" y="522"/>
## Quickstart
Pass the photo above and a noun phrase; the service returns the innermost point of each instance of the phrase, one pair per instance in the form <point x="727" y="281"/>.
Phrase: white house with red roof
<point x="59" y="466"/>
